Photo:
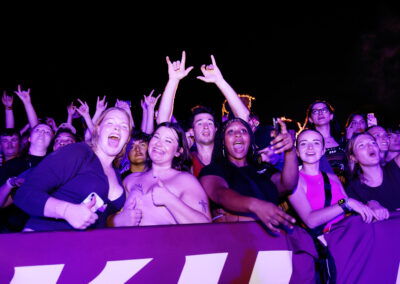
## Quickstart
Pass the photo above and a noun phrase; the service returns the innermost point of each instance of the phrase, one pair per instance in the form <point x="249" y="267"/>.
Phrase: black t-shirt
<point x="387" y="194"/>
<point x="13" y="219"/>
<point x="248" y="180"/>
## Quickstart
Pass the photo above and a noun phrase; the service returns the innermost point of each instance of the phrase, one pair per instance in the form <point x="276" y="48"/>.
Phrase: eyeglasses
<point x="320" y="110"/>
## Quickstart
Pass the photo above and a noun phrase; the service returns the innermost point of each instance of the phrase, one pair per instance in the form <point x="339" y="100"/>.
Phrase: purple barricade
<point x="201" y="253"/>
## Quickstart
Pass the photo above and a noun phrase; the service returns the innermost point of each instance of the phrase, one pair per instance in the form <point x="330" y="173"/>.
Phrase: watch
<point x="343" y="204"/>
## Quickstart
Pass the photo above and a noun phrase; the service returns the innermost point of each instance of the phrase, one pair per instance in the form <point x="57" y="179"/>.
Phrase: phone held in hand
<point x="275" y="126"/>
<point x="371" y="119"/>
<point x="99" y="202"/>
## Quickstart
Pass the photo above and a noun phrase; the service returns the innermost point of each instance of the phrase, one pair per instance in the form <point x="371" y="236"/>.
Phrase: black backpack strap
<point x="328" y="189"/>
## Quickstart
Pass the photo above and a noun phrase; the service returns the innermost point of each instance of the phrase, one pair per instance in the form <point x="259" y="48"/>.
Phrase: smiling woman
<point x="78" y="186"/>
<point x="167" y="193"/>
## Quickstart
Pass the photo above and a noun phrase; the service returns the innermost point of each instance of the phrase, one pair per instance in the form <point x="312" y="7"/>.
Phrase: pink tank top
<point x="316" y="194"/>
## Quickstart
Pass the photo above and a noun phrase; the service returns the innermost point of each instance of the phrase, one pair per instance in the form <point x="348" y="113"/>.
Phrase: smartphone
<point x="371" y="119"/>
<point x="275" y="126"/>
<point x="99" y="202"/>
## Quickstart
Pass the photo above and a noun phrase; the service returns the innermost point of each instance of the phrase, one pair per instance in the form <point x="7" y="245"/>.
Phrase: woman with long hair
<point x="371" y="183"/>
<point x="78" y="186"/>
<point x="168" y="193"/>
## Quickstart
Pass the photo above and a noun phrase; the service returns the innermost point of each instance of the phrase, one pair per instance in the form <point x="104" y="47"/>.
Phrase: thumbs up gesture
<point x="160" y="194"/>
<point x="81" y="216"/>
<point x="130" y="215"/>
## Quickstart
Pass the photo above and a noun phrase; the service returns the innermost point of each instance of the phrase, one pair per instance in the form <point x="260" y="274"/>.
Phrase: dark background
<point x="285" y="57"/>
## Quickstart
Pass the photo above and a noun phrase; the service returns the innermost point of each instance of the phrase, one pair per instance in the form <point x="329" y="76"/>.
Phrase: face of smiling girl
<point x="310" y="147"/>
<point x="163" y="146"/>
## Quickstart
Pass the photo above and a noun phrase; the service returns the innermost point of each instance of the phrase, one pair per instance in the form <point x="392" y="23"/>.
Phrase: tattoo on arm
<point x="203" y="205"/>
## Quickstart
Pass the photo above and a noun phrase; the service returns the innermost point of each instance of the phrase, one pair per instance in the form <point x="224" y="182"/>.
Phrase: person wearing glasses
<point x="321" y="116"/>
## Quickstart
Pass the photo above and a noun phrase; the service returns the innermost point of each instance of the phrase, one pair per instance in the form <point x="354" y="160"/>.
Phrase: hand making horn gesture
<point x="176" y="69"/>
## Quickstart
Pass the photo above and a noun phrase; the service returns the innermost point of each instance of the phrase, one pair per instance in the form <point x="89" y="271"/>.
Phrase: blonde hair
<point x="95" y="134"/>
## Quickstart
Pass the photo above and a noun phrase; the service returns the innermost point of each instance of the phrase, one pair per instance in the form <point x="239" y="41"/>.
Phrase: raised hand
<point x="50" y="121"/>
<point x="81" y="216"/>
<point x="71" y="109"/>
<point x="83" y="109"/>
<point x="123" y="104"/>
<point x="283" y="141"/>
<point x="101" y="104"/>
<point x="7" y="100"/>
<point x="151" y="101"/>
<point x="350" y="130"/>
<point x="25" y="96"/>
<point x="211" y="73"/>
<point x="176" y="69"/>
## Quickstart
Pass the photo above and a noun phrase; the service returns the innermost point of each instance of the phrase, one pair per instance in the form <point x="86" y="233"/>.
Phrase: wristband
<point x="9" y="108"/>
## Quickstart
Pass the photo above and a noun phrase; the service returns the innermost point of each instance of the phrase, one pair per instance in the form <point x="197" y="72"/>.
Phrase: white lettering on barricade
<point x="272" y="267"/>
<point x="203" y="268"/>
<point x="120" y="271"/>
<point x="45" y="274"/>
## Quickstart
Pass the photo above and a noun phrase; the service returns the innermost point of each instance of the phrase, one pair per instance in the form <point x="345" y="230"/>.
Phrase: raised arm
<point x="25" y="97"/>
<point x="212" y="74"/>
<point x="143" y="124"/>
<point x="127" y="107"/>
<point x="150" y="103"/>
<point x="71" y="110"/>
<point x="271" y="215"/>
<point x="176" y="72"/>
<point x="286" y="180"/>
<point x="191" y="207"/>
<point x="83" y="110"/>
<point x="8" y="102"/>
<point x="101" y="105"/>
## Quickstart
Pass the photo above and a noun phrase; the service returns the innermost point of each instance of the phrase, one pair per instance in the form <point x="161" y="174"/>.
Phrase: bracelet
<point x="9" y="108"/>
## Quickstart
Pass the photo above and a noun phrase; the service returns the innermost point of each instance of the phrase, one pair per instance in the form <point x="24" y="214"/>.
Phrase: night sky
<point x="284" y="58"/>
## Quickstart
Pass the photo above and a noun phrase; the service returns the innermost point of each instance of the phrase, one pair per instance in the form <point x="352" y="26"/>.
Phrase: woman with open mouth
<point x="371" y="183"/>
<point x="78" y="186"/>
<point x="238" y="189"/>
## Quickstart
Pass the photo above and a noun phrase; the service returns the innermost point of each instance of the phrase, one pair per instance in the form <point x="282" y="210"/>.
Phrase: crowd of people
<point x="160" y="172"/>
